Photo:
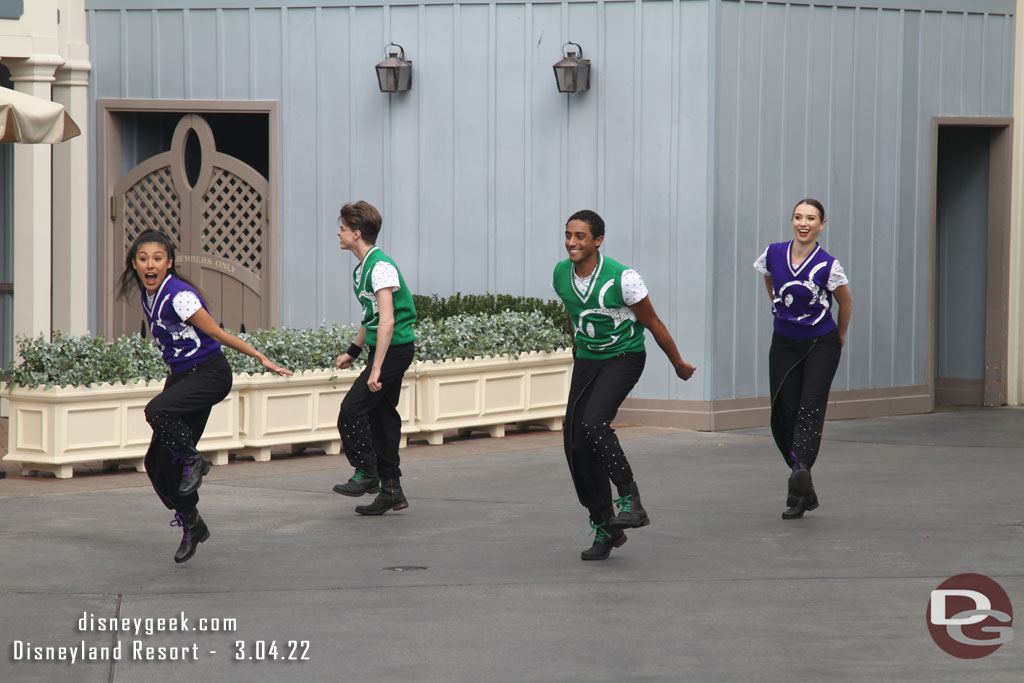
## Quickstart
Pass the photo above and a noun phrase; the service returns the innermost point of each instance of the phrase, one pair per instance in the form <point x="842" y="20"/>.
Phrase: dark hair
<point x="811" y="202"/>
<point x="591" y="218"/>
<point x="364" y="217"/>
<point x="130" y="278"/>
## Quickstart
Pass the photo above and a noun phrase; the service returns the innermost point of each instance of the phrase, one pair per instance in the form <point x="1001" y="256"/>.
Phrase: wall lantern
<point x="394" y="74"/>
<point x="572" y="72"/>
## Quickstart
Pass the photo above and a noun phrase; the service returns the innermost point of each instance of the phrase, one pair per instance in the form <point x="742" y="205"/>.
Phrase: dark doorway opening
<point x="971" y="263"/>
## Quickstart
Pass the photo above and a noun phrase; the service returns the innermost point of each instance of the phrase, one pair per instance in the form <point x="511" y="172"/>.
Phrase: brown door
<point x="218" y="223"/>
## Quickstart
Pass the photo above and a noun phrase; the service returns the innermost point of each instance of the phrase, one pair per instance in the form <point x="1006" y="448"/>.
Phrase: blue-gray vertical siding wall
<point x="478" y="166"/>
<point x="706" y="120"/>
<point x="836" y="103"/>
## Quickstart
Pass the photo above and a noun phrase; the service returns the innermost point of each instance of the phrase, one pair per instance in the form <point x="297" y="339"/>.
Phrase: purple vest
<point x="183" y="345"/>
<point x="801" y="303"/>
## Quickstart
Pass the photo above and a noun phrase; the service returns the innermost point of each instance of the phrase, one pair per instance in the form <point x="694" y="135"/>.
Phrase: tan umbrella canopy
<point x="24" y="118"/>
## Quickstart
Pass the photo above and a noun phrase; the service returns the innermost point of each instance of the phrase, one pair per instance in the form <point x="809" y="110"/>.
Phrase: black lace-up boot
<point x="193" y="532"/>
<point x="631" y="511"/>
<point x="362" y="482"/>
<point x="194" y="468"/>
<point x="604" y="539"/>
<point x="389" y="498"/>
<point x="801" y="497"/>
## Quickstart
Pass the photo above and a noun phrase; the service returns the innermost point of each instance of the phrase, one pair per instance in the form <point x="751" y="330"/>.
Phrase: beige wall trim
<point x="959" y="392"/>
<point x="71" y="173"/>
<point x="108" y="171"/>
<point x="997" y="286"/>
<point x="1015" y="323"/>
<point x="742" y="413"/>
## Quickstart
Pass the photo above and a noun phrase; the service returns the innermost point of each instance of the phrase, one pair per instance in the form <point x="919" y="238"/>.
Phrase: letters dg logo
<point x="970" y="616"/>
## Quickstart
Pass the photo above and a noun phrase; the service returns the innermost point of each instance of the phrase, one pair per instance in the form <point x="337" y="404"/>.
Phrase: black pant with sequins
<point x="595" y="457"/>
<point x="178" y="416"/>
<point x="369" y="423"/>
<point x="801" y="372"/>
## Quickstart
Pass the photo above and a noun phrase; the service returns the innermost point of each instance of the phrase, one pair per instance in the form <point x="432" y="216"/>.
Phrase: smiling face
<point x="807" y="224"/>
<point x="580" y="243"/>
<point x="152" y="263"/>
<point x="346" y="236"/>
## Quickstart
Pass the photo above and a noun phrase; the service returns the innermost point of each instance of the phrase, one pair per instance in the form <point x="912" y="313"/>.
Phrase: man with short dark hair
<point x="608" y="309"/>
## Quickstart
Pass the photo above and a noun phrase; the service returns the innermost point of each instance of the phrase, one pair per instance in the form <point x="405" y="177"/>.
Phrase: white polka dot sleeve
<point x="186" y="303"/>
<point x="836" y="277"/>
<point x="761" y="264"/>
<point x="633" y="288"/>
<point x="385" y="275"/>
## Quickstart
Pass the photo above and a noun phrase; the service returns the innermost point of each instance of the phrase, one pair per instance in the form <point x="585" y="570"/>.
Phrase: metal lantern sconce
<point x="572" y="72"/>
<point x="394" y="74"/>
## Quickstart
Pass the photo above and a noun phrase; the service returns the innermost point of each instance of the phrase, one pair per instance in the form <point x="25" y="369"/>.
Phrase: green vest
<point x="602" y="324"/>
<point x="405" y="309"/>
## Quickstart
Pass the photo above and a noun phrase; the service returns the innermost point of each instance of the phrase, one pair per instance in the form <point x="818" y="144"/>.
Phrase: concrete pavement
<point x="491" y="587"/>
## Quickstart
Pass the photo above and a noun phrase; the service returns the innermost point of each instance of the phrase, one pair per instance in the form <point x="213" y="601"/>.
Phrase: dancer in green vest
<point x="608" y="309"/>
<point x="369" y="423"/>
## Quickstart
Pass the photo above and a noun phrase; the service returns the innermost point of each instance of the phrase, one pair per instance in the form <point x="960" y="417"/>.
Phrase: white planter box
<point x="302" y="410"/>
<point x="488" y="393"/>
<point x="52" y="429"/>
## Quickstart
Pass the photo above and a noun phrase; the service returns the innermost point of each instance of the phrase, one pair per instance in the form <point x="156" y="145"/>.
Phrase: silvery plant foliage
<point x="510" y="333"/>
<point x="296" y="349"/>
<point x="71" y="361"/>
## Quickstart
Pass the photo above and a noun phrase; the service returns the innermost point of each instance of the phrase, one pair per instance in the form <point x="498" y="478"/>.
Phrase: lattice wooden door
<point x="219" y="225"/>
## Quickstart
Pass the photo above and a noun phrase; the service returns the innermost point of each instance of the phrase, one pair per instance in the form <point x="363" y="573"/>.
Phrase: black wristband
<point x="354" y="350"/>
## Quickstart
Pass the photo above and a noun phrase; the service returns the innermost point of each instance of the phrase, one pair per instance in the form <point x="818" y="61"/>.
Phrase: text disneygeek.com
<point x="140" y="649"/>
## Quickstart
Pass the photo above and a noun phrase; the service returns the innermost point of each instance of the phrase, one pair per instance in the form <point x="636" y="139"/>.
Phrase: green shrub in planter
<point x="500" y="334"/>
<point x="296" y="349"/>
<point x="70" y="361"/>
<point x="437" y="309"/>
<point x="458" y="336"/>
<point x="81" y="361"/>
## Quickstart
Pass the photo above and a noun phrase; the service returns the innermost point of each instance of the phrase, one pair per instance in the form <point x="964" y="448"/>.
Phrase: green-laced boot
<point x="362" y="482"/>
<point x="631" y="511"/>
<point x="604" y="540"/>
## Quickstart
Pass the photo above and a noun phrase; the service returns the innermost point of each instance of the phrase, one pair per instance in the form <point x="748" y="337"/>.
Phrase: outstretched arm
<point x="644" y="310"/>
<point x="207" y="324"/>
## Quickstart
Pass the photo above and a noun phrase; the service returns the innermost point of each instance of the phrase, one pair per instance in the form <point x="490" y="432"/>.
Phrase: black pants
<point x="597" y="390"/>
<point x="801" y="372"/>
<point x="178" y="416"/>
<point x="368" y="422"/>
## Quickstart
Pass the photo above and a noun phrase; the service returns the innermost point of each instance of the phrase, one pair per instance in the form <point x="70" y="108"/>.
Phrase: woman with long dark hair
<point x="200" y="378"/>
<point x="802" y="279"/>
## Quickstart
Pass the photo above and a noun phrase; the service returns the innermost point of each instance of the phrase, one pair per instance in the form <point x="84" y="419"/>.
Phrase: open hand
<point x="276" y="369"/>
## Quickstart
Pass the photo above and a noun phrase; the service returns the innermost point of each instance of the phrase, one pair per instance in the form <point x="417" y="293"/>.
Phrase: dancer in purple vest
<point x="802" y="279"/>
<point x="200" y="378"/>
